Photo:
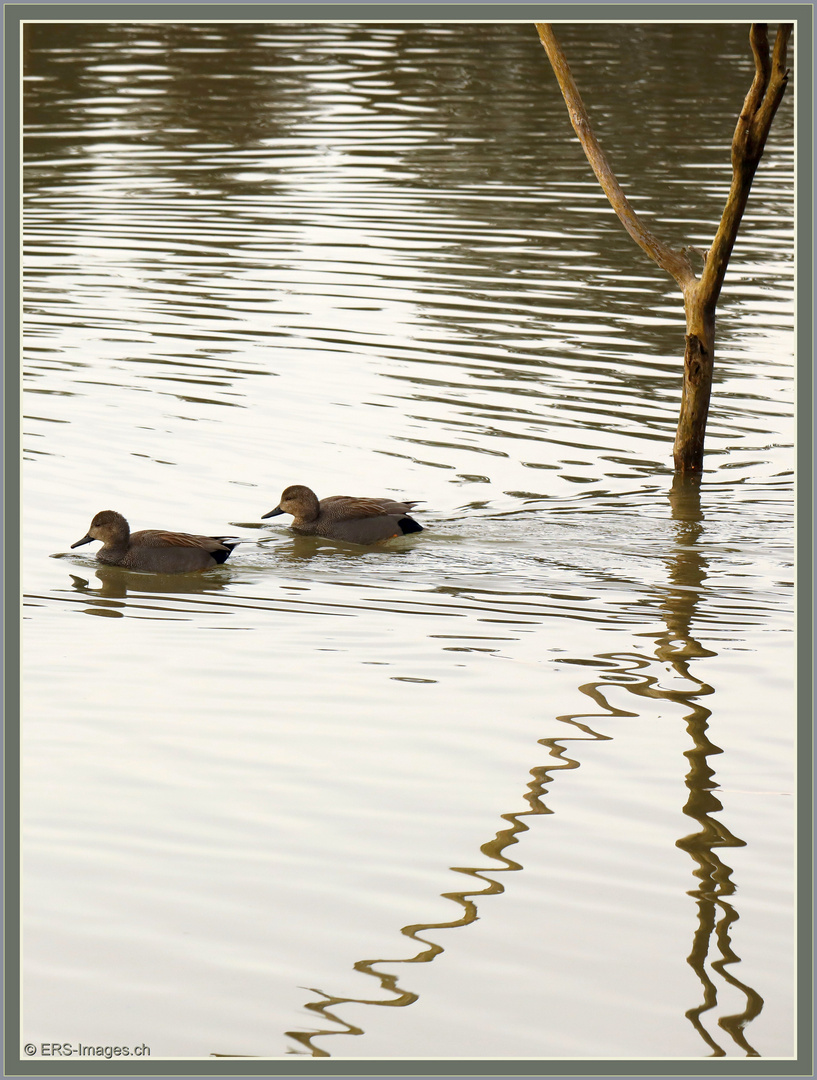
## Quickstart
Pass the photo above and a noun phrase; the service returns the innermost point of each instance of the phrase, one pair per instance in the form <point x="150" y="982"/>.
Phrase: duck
<point x="154" y="550"/>
<point x="343" y="517"/>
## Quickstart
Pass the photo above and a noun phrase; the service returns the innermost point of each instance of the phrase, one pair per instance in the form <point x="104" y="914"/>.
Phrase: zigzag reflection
<point x="466" y="899"/>
<point x="678" y="648"/>
<point x="675" y="648"/>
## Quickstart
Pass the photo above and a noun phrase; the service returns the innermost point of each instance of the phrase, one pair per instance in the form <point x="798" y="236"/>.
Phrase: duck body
<point x="154" y="550"/>
<point x="343" y="517"/>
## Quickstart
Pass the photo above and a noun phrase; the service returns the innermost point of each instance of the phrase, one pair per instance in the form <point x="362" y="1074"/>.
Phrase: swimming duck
<point x="154" y="549"/>
<point x="342" y="517"/>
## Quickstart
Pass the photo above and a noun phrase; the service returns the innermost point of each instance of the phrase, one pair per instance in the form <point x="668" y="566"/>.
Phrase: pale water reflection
<point x="466" y="794"/>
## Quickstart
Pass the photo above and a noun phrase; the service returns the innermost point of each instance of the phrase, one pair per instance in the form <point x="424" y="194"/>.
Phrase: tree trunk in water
<point x="700" y="295"/>
<point x="699" y="362"/>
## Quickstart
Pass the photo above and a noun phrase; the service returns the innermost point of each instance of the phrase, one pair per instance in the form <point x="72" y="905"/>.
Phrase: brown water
<point x="527" y="776"/>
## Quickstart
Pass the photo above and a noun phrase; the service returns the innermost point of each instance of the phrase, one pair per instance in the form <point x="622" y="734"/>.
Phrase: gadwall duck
<point x="341" y="517"/>
<point x="153" y="549"/>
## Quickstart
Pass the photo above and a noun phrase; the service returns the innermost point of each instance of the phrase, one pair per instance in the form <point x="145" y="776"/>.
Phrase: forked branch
<point x="748" y="143"/>
<point x="700" y="296"/>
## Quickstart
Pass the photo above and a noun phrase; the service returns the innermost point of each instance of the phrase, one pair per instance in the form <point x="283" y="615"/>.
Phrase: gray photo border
<point x="14" y="14"/>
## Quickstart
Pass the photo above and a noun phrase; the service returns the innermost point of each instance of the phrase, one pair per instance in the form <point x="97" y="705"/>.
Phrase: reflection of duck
<point x="154" y="550"/>
<point x="341" y="517"/>
<point x="119" y="583"/>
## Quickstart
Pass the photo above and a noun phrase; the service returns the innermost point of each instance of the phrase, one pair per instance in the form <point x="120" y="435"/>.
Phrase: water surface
<point x="521" y="785"/>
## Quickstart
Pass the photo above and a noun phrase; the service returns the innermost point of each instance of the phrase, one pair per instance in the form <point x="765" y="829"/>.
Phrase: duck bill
<point x="84" y="540"/>
<point x="272" y="513"/>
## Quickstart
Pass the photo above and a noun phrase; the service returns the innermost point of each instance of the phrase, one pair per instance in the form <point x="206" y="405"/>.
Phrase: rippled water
<point x="487" y="773"/>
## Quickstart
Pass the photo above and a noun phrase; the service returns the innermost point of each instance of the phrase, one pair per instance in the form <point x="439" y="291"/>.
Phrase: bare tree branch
<point x="700" y="296"/>
<point x="748" y="143"/>
<point x="758" y="39"/>
<point x="777" y="87"/>
<point x="674" y="262"/>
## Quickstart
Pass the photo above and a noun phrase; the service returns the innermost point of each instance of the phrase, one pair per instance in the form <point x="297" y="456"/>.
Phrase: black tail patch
<point x="223" y="556"/>
<point x="409" y="525"/>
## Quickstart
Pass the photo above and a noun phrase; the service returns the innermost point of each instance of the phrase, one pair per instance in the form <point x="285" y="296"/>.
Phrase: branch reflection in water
<point x="676" y="648"/>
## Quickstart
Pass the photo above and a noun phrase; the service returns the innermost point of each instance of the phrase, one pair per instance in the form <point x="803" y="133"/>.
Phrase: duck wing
<point x="347" y="507"/>
<point x="156" y="538"/>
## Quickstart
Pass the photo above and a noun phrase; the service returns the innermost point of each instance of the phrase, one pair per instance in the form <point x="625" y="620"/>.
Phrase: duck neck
<point x="113" y="547"/>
